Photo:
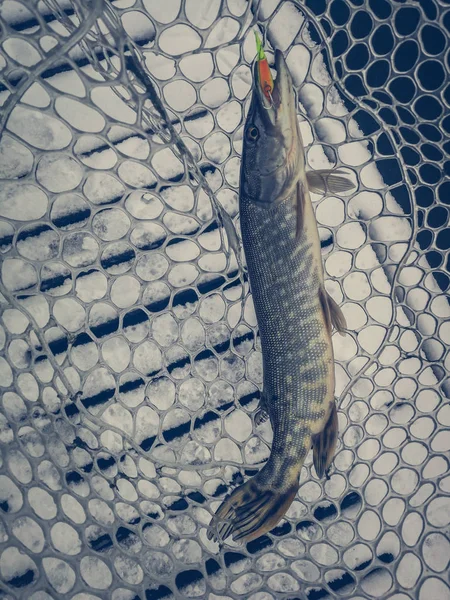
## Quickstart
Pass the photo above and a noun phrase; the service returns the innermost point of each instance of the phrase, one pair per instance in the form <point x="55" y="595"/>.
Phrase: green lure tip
<point x="259" y="47"/>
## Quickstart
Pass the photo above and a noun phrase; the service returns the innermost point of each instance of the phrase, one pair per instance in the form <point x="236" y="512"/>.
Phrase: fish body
<point x="293" y="310"/>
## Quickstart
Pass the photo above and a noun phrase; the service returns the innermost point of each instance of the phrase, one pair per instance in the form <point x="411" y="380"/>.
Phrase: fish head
<point x="272" y="155"/>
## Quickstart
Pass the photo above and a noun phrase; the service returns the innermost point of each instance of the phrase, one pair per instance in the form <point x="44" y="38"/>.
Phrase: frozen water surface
<point x="116" y="282"/>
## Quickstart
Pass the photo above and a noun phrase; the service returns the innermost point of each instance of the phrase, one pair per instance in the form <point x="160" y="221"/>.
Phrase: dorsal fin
<point x="332" y="312"/>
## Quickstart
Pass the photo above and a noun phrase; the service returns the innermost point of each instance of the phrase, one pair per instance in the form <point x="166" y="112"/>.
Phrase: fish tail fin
<point x="255" y="507"/>
<point x="324" y="443"/>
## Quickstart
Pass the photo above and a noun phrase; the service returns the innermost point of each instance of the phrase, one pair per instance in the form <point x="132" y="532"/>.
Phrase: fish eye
<point x="253" y="133"/>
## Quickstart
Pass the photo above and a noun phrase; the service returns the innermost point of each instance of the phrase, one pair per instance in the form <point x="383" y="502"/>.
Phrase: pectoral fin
<point x="324" y="444"/>
<point x="332" y="312"/>
<point x="328" y="180"/>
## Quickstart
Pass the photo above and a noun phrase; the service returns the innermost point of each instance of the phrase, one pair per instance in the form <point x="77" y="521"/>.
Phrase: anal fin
<point x="324" y="443"/>
<point x="328" y="180"/>
<point x="262" y="412"/>
<point x="333" y="313"/>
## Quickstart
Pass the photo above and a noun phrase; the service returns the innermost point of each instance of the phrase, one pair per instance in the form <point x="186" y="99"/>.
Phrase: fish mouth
<point x="278" y="106"/>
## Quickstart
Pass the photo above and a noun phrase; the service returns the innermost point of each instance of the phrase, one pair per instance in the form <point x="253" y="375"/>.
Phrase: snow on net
<point x="131" y="367"/>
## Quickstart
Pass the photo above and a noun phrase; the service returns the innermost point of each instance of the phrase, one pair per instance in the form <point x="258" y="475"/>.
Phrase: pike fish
<point x="295" y="314"/>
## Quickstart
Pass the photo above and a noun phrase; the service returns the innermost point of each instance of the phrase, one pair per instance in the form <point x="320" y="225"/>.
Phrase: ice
<point x="95" y="572"/>
<point x="138" y="25"/>
<point x="111" y="104"/>
<point x="412" y="529"/>
<point x="241" y="83"/>
<point x="39" y="129"/>
<point x="254" y="367"/>
<point x="98" y="388"/>
<point x="69" y="313"/>
<point x="331" y="211"/>
<point x="116" y="353"/>
<point x="339" y="263"/>
<point x="163" y="13"/>
<point x="217" y="147"/>
<point x="160" y="67"/>
<point x="192" y="394"/>
<point x="246" y="583"/>
<point x="128" y="570"/>
<point x="14" y="407"/>
<point x="166" y="164"/>
<point x="227" y="450"/>
<point x="180" y="95"/>
<point x="102" y="188"/>
<point x="256" y="451"/>
<point x="119" y="417"/>
<point x="6" y="375"/>
<point x="436" y="552"/>
<point x="91" y="151"/>
<point x="187" y="551"/>
<point x="42" y="503"/>
<point x="69" y="211"/>
<point x="79" y="115"/>
<point x="73" y="509"/>
<point x="165" y="330"/>
<point x="38" y="242"/>
<point x="137" y="175"/>
<point x="16" y="160"/>
<point x="285" y="26"/>
<point x="143" y="205"/>
<point x="206" y="366"/>
<point x="180" y="250"/>
<point x="125" y="291"/>
<point x="197" y="67"/>
<point x="215" y="92"/>
<point x="147" y="358"/>
<point x="355" y="153"/>
<point x="110" y="224"/>
<point x="199" y="124"/>
<point x="152" y="266"/>
<point x="434" y="587"/>
<point x="19" y="466"/>
<point x="202" y="13"/>
<point x="80" y="249"/>
<point x="225" y="30"/>
<point x="155" y="535"/>
<point x="182" y="275"/>
<point x="126" y="489"/>
<point x="128" y="142"/>
<point x="22" y="202"/>
<point x="65" y="539"/>
<point x="179" y="39"/>
<point x="181" y="525"/>
<point x="311" y="98"/>
<point x="409" y="570"/>
<point x="91" y="285"/>
<point x="16" y="568"/>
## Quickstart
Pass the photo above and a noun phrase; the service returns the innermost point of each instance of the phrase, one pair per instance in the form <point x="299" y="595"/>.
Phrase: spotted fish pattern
<point x="294" y="313"/>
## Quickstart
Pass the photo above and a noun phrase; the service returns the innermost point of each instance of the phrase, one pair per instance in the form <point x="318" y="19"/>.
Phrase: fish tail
<point x="255" y="507"/>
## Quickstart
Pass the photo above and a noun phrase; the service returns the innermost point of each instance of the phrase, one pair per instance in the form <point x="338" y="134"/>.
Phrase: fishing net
<point x="130" y="365"/>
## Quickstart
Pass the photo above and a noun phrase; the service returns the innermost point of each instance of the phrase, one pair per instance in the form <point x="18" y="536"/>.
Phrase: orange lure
<point x="265" y="76"/>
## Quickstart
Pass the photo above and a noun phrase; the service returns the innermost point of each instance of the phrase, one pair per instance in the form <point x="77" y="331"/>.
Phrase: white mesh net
<point x="130" y="364"/>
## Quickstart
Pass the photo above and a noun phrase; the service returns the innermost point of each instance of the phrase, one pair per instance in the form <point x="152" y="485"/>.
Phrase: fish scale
<point x="291" y="323"/>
